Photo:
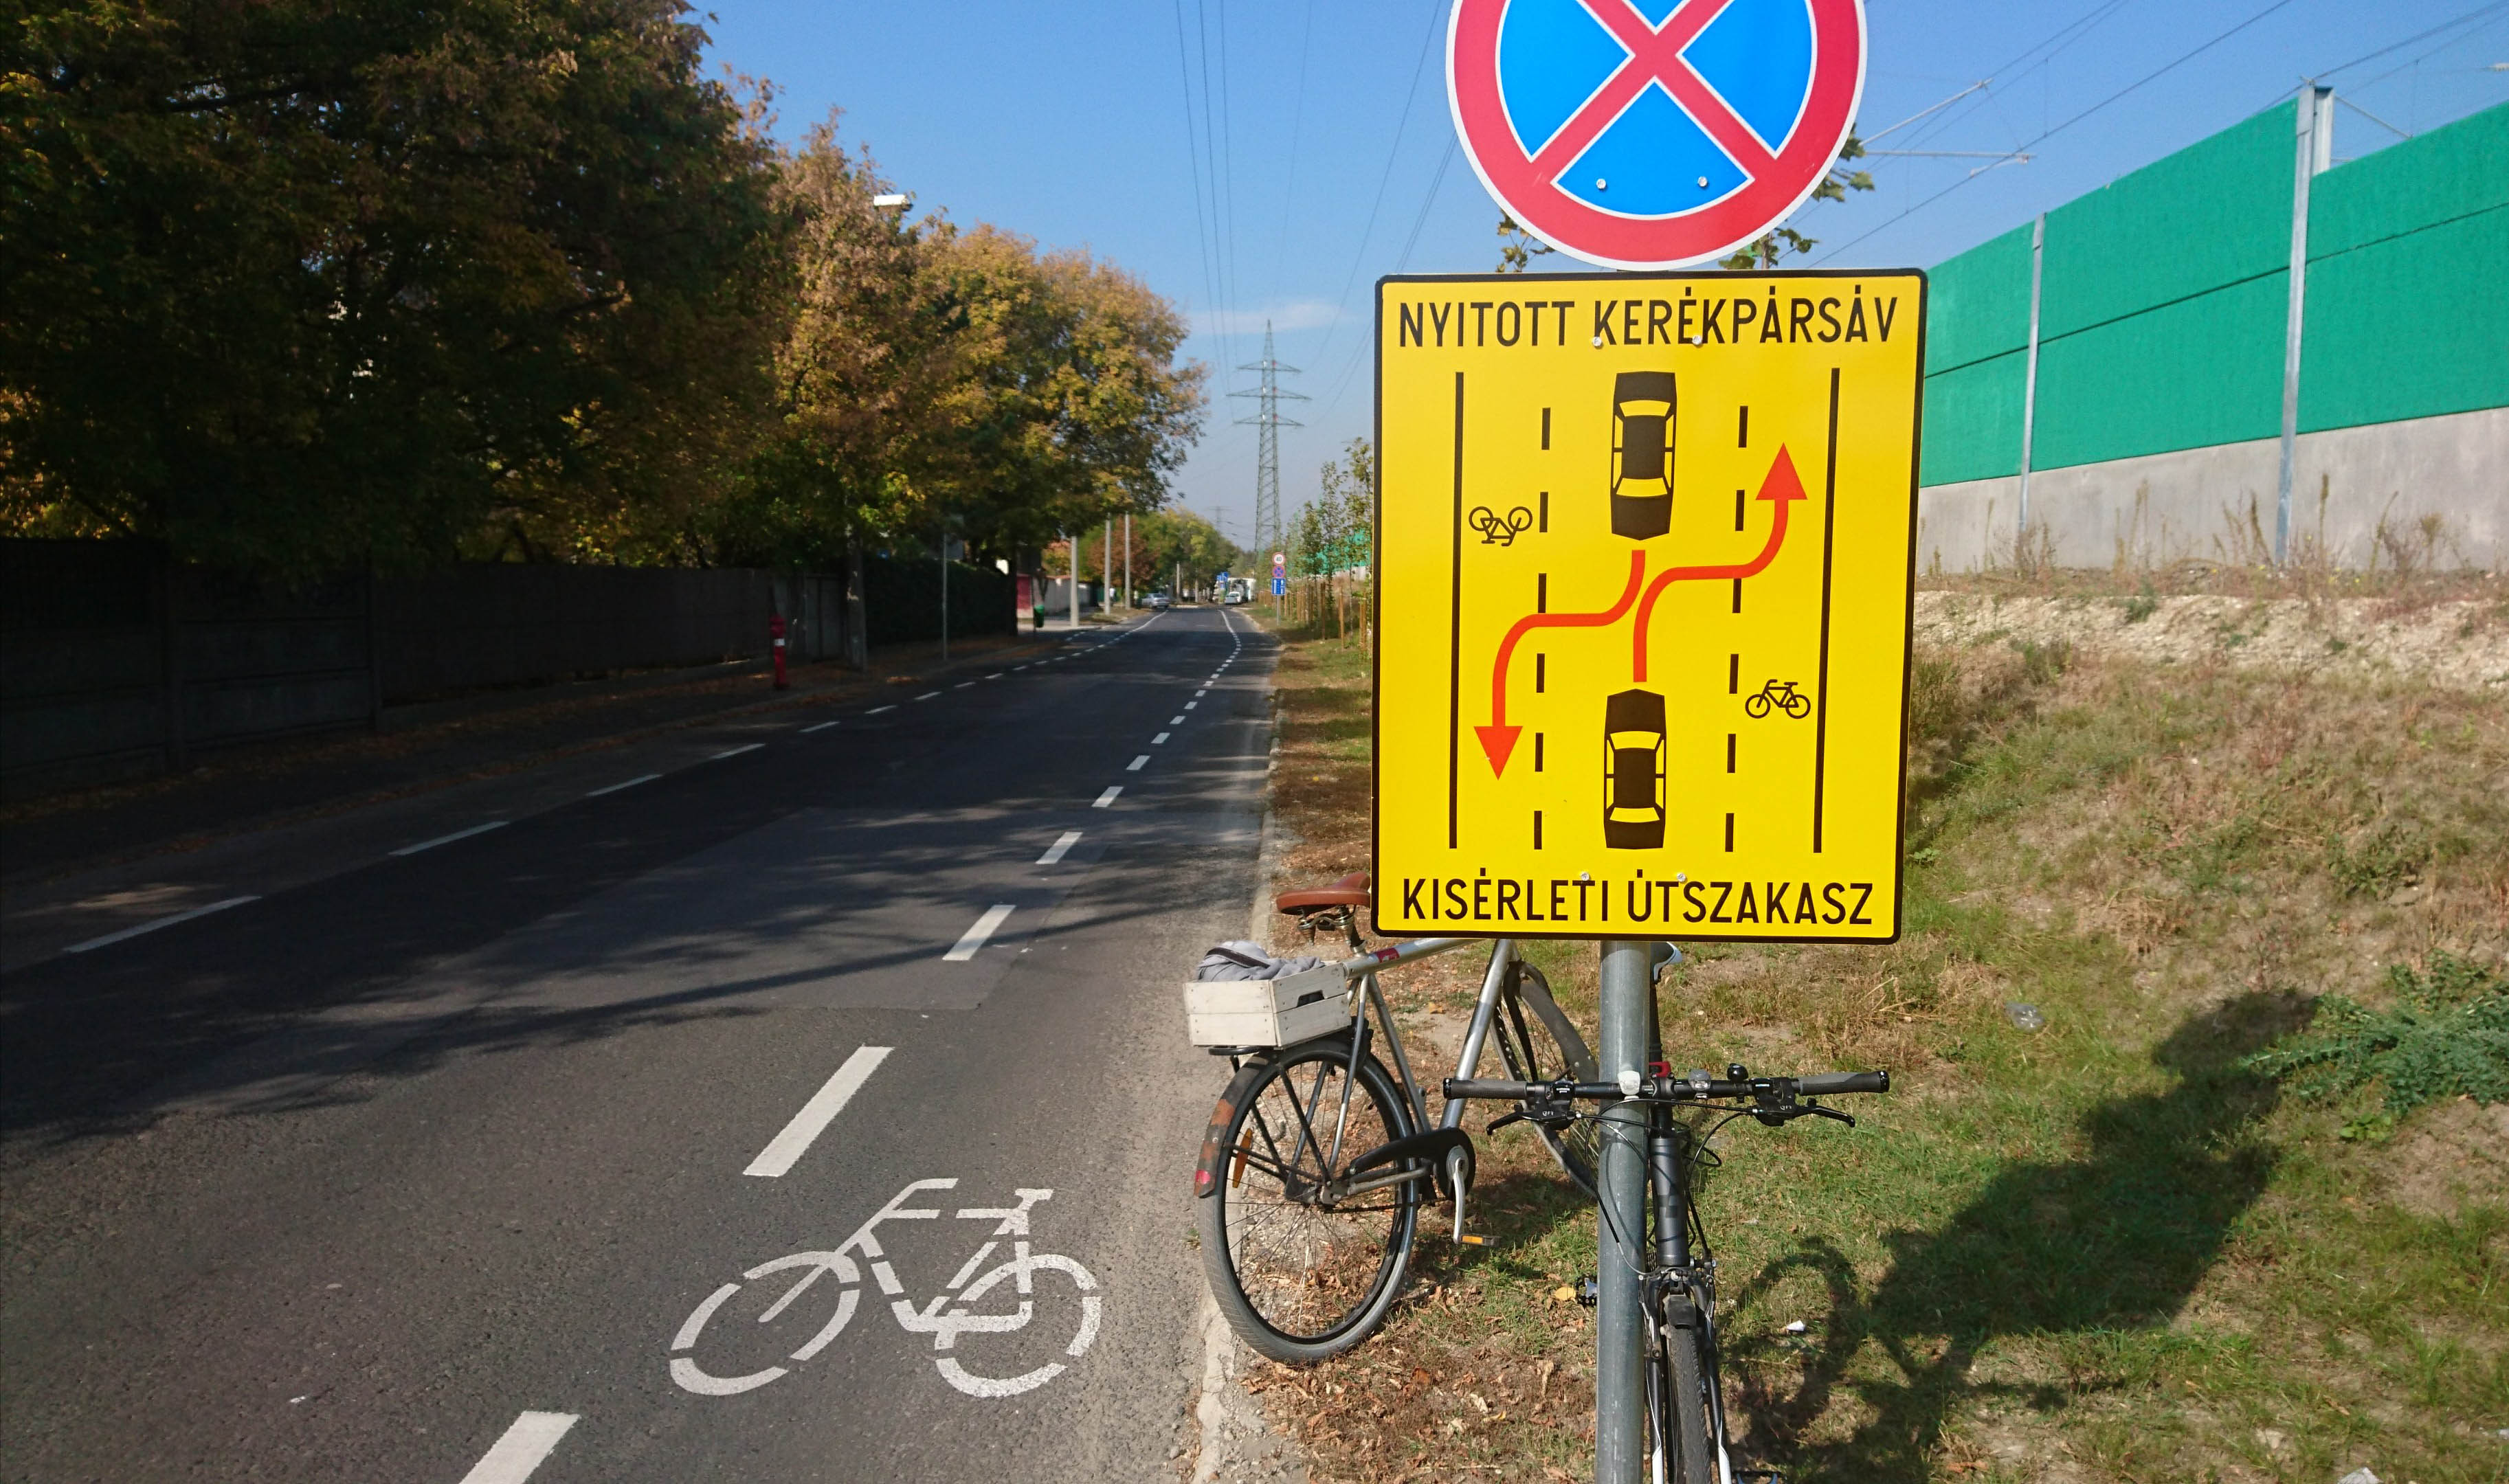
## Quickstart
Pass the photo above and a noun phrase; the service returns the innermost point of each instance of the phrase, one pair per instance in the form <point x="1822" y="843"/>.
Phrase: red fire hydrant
<point x="775" y="632"/>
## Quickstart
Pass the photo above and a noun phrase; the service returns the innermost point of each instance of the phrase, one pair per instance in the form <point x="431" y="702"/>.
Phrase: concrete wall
<point x="2424" y="492"/>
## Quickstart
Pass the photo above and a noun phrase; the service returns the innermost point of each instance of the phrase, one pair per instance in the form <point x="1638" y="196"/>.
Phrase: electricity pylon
<point x="1268" y="423"/>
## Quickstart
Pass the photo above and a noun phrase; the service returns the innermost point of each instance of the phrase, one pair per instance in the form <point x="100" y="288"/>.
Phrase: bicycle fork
<point x="1687" y="1292"/>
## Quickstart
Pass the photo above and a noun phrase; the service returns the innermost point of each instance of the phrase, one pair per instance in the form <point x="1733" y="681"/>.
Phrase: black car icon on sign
<point x="1642" y="417"/>
<point x="1633" y="771"/>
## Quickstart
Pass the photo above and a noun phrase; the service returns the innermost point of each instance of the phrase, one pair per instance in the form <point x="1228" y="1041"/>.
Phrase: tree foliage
<point x="291" y="282"/>
<point x="293" y="286"/>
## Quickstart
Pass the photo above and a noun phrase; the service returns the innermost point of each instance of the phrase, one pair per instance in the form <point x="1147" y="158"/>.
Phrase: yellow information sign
<point x="1645" y="558"/>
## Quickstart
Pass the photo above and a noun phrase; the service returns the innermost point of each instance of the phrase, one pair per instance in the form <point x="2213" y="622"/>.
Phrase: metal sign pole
<point x="1619" y="1340"/>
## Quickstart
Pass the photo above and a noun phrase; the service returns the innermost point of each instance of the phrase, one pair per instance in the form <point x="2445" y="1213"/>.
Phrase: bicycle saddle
<point x="1350" y="891"/>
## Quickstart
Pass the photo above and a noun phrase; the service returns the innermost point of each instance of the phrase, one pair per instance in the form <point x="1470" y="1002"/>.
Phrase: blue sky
<point x="1270" y="161"/>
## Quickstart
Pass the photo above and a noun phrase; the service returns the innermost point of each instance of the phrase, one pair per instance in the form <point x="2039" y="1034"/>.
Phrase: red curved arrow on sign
<point x="1783" y="488"/>
<point x="1498" y="739"/>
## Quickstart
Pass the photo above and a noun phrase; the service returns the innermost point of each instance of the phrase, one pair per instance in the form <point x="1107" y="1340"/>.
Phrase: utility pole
<point x="1268" y="423"/>
<point x="1128" y="559"/>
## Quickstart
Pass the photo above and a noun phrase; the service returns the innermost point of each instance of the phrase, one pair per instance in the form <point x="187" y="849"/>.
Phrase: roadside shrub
<point x="2447" y="1036"/>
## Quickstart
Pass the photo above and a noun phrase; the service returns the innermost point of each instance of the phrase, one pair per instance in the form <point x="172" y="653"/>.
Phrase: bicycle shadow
<point x="2116" y="1240"/>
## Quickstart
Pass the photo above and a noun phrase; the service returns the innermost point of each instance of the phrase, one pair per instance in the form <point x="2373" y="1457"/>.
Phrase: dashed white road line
<point x="927" y="695"/>
<point x="525" y="1446"/>
<point x="877" y="710"/>
<point x="734" y="752"/>
<point x="1062" y="846"/>
<point x="170" y="921"/>
<point x="1138" y="763"/>
<point x="1204" y="690"/>
<point x="963" y="684"/>
<point x="1190" y="705"/>
<point x="996" y="675"/>
<point x="822" y="726"/>
<point x="974" y="938"/>
<point x="786" y="1148"/>
<point x="1176" y="720"/>
<point x="629" y="784"/>
<point x="1161" y="738"/>
<point x="447" y="839"/>
<point x="1107" y="798"/>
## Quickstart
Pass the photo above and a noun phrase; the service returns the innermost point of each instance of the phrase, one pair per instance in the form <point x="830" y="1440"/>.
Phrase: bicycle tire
<point x="1798" y="705"/>
<point x="1680" y="1416"/>
<point x="1578" y="1148"/>
<point x="1297" y="1282"/>
<point x="1755" y="706"/>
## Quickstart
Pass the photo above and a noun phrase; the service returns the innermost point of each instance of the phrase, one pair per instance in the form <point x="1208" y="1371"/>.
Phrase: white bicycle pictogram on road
<point x="953" y="1313"/>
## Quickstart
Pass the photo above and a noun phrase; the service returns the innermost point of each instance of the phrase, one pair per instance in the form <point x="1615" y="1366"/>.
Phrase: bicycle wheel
<point x="1756" y="706"/>
<point x="1798" y="705"/>
<point x="1300" y="1275"/>
<point x="1543" y="1047"/>
<point x="1679" y="1377"/>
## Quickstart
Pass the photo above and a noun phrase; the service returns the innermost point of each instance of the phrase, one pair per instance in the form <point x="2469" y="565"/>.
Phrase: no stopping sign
<point x="1652" y="133"/>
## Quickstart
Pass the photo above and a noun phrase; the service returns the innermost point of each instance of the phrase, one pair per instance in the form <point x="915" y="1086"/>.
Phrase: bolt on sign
<point x="1646" y="562"/>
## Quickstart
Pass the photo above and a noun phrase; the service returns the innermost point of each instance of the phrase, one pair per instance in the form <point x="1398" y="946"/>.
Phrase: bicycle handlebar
<point x="1671" y="1088"/>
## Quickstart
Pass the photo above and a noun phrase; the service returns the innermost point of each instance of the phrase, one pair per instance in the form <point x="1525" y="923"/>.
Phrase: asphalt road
<point x="458" y="1163"/>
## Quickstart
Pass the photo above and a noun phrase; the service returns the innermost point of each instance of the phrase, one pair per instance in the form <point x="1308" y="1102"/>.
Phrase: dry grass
<point x="2096" y="1252"/>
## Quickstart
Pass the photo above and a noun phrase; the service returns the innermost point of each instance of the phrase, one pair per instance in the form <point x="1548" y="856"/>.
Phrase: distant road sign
<point x="1644" y="603"/>
<point x="1280" y="587"/>
<point x="1652" y="133"/>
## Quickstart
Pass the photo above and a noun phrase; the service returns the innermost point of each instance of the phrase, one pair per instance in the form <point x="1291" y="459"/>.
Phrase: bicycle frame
<point x="1361" y="971"/>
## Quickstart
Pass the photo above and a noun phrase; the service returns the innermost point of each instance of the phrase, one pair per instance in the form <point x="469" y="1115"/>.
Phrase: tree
<point x="291" y="284"/>
<point x="1067" y="404"/>
<point x="1333" y="536"/>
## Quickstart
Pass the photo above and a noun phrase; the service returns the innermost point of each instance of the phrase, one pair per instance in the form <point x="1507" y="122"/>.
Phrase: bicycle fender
<point x="1433" y="1146"/>
<point x="1206" y="1170"/>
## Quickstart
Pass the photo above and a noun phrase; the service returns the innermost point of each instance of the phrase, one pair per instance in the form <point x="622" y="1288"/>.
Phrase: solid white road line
<point x="734" y="752"/>
<point x="927" y="695"/>
<point x="1138" y="763"/>
<point x="974" y="938"/>
<point x="447" y="839"/>
<point x="526" y="1445"/>
<point x="1107" y="798"/>
<point x="1161" y="738"/>
<point x="822" y="726"/>
<point x="150" y="927"/>
<point x="877" y="710"/>
<point x="1056" y="851"/>
<point x="629" y="784"/>
<point x="785" y="1149"/>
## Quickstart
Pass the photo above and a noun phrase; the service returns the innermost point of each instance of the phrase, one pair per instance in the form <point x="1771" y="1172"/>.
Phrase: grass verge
<point x="2110" y="1249"/>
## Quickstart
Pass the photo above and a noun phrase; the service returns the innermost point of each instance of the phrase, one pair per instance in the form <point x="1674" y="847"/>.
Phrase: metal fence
<point x="116" y="662"/>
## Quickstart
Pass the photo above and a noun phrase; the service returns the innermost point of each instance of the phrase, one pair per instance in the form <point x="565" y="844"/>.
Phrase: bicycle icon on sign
<point x="1499" y="529"/>
<point x="957" y="1312"/>
<point x="1780" y="694"/>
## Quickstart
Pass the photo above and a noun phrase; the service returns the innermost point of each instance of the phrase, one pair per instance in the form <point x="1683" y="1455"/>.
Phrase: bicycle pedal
<point x="1588" y="1292"/>
<point x="1473" y="1239"/>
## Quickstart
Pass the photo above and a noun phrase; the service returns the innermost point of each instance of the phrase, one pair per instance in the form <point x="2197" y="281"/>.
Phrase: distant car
<point x="1633" y="751"/>
<point x="1642" y="421"/>
<point x="1158" y="600"/>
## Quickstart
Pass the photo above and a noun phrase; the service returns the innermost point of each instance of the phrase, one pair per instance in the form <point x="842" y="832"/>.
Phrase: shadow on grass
<point x="2115" y="1240"/>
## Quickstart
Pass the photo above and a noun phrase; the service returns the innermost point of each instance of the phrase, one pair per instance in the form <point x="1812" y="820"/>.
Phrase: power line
<point x="1298" y="121"/>
<point x="2173" y="65"/>
<point x="1437" y="183"/>
<point x="2474" y="14"/>
<point x="1394" y="152"/>
<point x="1201" y="239"/>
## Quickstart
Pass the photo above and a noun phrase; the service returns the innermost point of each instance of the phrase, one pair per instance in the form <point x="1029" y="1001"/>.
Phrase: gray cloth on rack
<point x="1240" y="959"/>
